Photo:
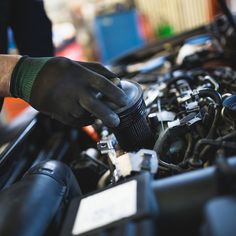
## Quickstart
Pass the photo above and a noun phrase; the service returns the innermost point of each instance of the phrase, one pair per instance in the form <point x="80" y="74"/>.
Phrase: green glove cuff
<point x="24" y="75"/>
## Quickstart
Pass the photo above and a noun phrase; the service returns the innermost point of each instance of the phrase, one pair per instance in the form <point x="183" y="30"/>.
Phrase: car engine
<point x="169" y="168"/>
<point x="181" y="114"/>
<point x="178" y="126"/>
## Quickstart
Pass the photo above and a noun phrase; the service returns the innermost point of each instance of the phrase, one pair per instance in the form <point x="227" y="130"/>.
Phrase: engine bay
<point x="186" y="119"/>
<point x="171" y="157"/>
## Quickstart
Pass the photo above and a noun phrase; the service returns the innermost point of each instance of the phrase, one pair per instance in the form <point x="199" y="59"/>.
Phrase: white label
<point x="106" y="207"/>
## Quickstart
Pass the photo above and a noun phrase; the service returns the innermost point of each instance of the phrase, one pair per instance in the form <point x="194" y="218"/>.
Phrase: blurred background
<point x="103" y="30"/>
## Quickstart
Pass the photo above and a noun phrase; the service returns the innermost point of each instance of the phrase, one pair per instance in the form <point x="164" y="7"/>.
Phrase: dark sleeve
<point x="31" y="27"/>
<point x="4" y="21"/>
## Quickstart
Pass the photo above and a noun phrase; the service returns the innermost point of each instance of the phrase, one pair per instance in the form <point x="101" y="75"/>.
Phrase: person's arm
<point x="7" y="64"/>
<point x="64" y="89"/>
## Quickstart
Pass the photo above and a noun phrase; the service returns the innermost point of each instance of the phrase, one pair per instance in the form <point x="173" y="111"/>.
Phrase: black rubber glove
<point x="67" y="90"/>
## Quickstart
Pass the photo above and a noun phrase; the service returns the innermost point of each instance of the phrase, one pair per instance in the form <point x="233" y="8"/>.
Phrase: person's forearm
<point x="7" y="64"/>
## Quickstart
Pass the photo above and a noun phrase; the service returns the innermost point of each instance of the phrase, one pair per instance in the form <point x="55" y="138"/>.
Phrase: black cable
<point x="212" y="130"/>
<point x="189" y="146"/>
<point x="212" y="94"/>
<point x="219" y="142"/>
<point x="171" y="166"/>
<point x="206" y="149"/>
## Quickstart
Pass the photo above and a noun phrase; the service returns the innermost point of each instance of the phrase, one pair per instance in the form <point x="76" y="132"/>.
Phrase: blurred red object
<point x="91" y="132"/>
<point x="145" y="27"/>
<point x="12" y="107"/>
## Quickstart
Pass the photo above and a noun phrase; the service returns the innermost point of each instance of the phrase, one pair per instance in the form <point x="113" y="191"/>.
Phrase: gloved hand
<point x="67" y="90"/>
